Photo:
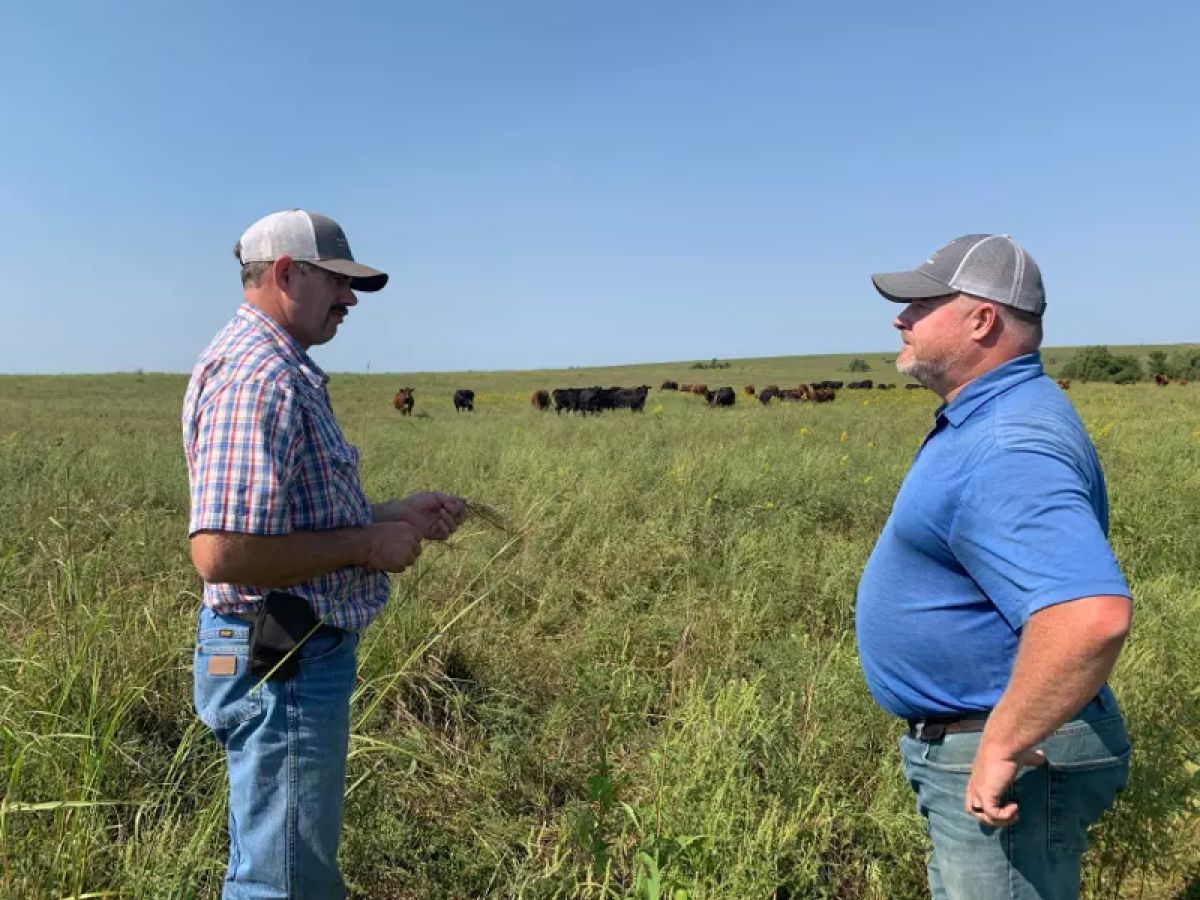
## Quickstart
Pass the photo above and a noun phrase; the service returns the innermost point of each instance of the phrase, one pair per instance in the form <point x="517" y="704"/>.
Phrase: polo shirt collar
<point x="990" y="384"/>
<point x="288" y="347"/>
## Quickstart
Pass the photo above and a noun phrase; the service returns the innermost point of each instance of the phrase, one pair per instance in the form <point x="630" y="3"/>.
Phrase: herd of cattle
<point x="599" y="399"/>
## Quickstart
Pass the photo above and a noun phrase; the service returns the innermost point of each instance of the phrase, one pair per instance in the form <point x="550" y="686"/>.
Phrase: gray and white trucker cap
<point x="992" y="266"/>
<point x="311" y="238"/>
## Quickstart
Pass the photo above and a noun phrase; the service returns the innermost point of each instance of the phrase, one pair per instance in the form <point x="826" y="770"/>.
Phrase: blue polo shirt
<point x="1004" y="512"/>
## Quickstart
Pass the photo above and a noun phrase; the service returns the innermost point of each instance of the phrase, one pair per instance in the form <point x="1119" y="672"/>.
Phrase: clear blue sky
<point x="576" y="183"/>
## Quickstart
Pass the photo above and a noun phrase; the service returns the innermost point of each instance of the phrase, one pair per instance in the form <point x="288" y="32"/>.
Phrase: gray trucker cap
<point x="992" y="266"/>
<point x="311" y="238"/>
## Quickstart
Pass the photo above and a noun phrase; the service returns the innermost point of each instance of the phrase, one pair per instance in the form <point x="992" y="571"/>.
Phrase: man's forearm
<point x="275" y="560"/>
<point x="1066" y="654"/>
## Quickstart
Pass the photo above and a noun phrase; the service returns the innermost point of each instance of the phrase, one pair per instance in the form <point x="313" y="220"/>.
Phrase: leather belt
<point x="936" y="729"/>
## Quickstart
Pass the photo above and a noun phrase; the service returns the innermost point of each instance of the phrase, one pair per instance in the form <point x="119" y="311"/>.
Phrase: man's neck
<point x="993" y="360"/>
<point x="270" y="304"/>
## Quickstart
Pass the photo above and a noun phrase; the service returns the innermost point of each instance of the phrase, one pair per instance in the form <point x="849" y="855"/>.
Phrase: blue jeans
<point x="1038" y="858"/>
<point x="285" y="744"/>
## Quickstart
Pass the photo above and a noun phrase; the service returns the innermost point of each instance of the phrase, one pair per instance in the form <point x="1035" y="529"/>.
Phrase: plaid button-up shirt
<point x="265" y="456"/>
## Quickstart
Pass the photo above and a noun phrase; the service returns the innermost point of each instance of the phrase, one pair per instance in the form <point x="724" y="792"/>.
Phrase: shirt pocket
<point x="329" y="493"/>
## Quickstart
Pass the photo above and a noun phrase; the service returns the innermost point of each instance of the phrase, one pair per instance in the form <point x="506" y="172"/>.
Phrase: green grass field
<point x="647" y="687"/>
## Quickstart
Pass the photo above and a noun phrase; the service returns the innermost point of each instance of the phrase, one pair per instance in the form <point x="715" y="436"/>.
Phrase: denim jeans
<point x="1038" y="858"/>
<point x="285" y="745"/>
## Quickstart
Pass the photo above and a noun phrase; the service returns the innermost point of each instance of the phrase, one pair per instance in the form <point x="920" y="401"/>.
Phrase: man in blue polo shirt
<point x="992" y="609"/>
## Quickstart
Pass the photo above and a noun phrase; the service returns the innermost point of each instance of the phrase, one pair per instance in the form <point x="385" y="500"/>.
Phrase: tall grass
<point x="645" y="685"/>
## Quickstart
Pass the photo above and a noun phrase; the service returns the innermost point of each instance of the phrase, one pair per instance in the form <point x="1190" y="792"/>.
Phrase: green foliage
<point x="1098" y="364"/>
<point x="858" y="365"/>
<point x="1157" y="364"/>
<point x="1183" y="363"/>
<point x="647" y="687"/>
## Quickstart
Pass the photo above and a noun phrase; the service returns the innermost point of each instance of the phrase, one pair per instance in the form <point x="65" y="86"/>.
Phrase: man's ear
<point x="986" y="324"/>
<point x="282" y="271"/>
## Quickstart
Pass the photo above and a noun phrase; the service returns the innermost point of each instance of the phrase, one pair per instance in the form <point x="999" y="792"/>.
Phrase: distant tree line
<point x="1100" y="364"/>
<point x="714" y="364"/>
<point x="1183" y="363"/>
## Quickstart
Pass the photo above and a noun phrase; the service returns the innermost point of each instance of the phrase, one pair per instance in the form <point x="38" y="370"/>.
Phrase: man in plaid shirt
<point x="276" y="503"/>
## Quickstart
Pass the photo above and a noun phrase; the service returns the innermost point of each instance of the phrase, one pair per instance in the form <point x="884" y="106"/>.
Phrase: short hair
<point x="1026" y="326"/>
<point x="253" y="272"/>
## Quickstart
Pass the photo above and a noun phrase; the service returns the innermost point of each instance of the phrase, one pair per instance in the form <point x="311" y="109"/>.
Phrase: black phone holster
<point x="282" y="623"/>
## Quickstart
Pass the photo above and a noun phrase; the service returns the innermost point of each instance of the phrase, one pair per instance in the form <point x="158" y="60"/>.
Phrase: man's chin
<point x="922" y="373"/>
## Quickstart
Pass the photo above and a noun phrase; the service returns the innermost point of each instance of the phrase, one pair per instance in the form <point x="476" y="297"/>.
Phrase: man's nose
<point x="348" y="297"/>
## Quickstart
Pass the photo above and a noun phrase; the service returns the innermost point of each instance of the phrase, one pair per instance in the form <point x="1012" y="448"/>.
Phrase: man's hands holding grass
<point x="394" y="537"/>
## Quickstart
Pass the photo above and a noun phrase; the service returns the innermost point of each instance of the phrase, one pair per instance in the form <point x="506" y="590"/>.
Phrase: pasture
<point x="643" y="685"/>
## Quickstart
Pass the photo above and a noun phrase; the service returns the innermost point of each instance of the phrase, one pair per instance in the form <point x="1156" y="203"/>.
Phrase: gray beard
<point x="929" y="373"/>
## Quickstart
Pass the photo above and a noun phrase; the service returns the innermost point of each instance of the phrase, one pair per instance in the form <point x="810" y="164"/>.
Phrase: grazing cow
<point x="566" y="398"/>
<point x="1162" y="380"/>
<point x="884" y="387"/>
<point x="699" y="389"/>
<point x="595" y="399"/>
<point x="464" y="400"/>
<point x="1182" y="382"/>
<point x="633" y="399"/>
<point x="1064" y="383"/>
<point x="749" y="389"/>
<point x="865" y="385"/>
<point x="540" y="400"/>
<point x="767" y="395"/>
<point x="721" y="397"/>
<point x="823" y="395"/>
<point x="913" y="387"/>
<point x="669" y="386"/>
<point x="403" y="401"/>
<point x="800" y="393"/>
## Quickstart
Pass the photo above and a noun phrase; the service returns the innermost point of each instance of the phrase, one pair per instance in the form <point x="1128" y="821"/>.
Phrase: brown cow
<point x="540" y="400"/>
<point x="1064" y="383"/>
<point x="749" y="389"/>
<point x="699" y="389"/>
<point x="1162" y="380"/>
<point x="403" y="401"/>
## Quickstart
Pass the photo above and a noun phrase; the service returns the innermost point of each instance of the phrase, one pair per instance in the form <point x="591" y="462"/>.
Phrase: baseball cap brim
<point x="362" y="278"/>
<point x="902" y="287"/>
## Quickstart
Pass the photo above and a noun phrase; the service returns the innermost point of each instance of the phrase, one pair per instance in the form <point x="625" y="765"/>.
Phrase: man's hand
<point x="391" y="546"/>
<point x="435" y="516"/>
<point x="991" y="774"/>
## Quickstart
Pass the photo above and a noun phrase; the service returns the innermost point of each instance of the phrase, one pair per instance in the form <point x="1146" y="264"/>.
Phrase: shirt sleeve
<point x="244" y="458"/>
<point x="1027" y="533"/>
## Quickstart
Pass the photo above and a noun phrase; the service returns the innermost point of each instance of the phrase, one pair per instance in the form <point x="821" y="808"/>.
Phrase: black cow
<point x="721" y="397"/>
<point x="767" y="395"/>
<point x="464" y="400"/>
<point x="913" y="387"/>
<point x="566" y="398"/>
<point x="630" y="398"/>
<point x="596" y="399"/>
<point x="865" y="385"/>
<point x="669" y="386"/>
